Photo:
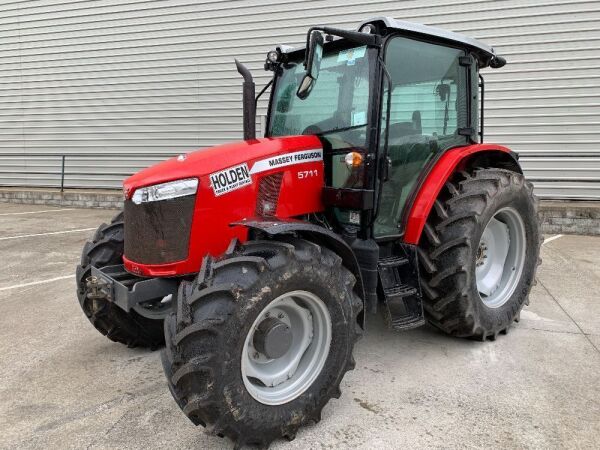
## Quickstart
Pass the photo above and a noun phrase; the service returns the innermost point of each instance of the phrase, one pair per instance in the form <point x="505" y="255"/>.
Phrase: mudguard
<point x="314" y="233"/>
<point x="490" y="155"/>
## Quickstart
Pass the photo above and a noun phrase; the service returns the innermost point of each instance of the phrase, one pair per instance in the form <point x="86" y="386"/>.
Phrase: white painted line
<point x="36" y="212"/>
<point x="46" y="234"/>
<point x="551" y="238"/>
<point x="34" y="283"/>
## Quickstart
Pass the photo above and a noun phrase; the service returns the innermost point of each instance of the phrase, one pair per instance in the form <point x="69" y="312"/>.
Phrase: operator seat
<point x="408" y="150"/>
<point x="413" y="127"/>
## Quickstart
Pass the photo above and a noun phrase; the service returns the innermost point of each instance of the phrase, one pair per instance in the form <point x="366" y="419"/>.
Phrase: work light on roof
<point x="368" y="28"/>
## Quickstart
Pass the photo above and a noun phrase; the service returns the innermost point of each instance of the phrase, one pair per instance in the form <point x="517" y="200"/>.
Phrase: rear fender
<point x="460" y="158"/>
<point x="313" y="233"/>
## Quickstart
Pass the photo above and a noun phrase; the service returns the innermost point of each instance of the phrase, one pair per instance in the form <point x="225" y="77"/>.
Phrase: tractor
<point x="256" y="262"/>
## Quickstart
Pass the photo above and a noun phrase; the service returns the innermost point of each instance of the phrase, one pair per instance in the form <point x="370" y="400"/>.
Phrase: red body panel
<point x="433" y="184"/>
<point x="210" y="230"/>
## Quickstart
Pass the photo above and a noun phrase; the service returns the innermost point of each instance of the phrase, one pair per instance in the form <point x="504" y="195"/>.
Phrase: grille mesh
<point x="268" y="194"/>
<point x="158" y="232"/>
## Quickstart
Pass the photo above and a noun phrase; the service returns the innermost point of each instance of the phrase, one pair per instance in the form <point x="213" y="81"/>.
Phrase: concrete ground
<point x="63" y="385"/>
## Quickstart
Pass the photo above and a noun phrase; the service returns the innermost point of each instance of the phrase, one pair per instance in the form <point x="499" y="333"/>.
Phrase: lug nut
<point x="281" y="315"/>
<point x="256" y="355"/>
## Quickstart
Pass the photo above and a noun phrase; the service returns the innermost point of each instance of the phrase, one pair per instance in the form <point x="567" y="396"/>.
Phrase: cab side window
<point x="429" y="107"/>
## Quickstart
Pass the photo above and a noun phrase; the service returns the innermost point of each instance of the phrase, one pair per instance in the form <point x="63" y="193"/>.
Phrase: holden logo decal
<point x="230" y="179"/>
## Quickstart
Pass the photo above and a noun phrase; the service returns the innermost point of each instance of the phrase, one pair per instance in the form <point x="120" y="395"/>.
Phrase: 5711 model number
<point x="307" y="174"/>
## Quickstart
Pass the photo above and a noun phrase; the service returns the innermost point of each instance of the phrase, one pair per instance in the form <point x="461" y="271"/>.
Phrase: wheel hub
<point x="273" y="338"/>
<point x="481" y="254"/>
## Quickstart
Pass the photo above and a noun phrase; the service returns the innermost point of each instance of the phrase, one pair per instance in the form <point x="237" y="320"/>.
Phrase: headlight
<point x="165" y="191"/>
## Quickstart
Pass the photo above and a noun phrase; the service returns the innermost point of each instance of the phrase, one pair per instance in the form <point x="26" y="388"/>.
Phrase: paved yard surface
<point x="63" y="385"/>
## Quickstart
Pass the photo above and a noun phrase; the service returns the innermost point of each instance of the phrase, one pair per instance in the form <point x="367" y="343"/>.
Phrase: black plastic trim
<point x="481" y="107"/>
<point x="348" y="198"/>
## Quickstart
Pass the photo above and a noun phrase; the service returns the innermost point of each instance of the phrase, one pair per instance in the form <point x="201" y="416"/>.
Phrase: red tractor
<point x="371" y="190"/>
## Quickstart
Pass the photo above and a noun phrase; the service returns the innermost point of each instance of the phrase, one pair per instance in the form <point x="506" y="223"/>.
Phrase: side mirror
<point x="314" y="54"/>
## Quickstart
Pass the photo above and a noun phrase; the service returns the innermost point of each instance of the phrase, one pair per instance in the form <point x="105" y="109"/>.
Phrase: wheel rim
<point x="275" y="381"/>
<point x="500" y="257"/>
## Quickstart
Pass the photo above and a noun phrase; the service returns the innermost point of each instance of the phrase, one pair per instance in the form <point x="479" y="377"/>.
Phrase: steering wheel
<point x="312" y="129"/>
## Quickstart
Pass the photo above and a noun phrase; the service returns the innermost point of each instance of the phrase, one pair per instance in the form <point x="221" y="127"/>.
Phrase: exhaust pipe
<point x="249" y="102"/>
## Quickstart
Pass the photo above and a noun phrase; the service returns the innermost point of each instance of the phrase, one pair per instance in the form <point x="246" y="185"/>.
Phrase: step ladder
<point x="399" y="280"/>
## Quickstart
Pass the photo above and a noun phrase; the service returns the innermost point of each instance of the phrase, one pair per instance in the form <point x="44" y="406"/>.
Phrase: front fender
<point x="313" y="233"/>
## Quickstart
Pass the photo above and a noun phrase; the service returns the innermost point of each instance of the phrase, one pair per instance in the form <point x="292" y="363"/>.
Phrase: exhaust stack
<point x="248" y="101"/>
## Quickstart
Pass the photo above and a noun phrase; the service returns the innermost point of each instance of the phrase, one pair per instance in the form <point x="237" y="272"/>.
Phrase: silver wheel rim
<point x="281" y="380"/>
<point x="500" y="257"/>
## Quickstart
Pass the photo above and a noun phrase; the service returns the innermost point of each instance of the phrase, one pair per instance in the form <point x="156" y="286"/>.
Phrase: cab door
<point x="429" y="113"/>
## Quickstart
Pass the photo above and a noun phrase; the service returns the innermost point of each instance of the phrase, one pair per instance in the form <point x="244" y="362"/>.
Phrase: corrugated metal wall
<point x="147" y="79"/>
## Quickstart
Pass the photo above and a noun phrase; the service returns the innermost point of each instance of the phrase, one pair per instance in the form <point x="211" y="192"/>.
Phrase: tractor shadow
<point x="382" y="346"/>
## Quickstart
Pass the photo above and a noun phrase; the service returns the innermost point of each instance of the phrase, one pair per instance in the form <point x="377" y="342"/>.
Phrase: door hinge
<point x="465" y="60"/>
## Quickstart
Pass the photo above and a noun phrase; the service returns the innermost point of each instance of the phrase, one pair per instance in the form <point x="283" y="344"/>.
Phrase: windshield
<point x="338" y="104"/>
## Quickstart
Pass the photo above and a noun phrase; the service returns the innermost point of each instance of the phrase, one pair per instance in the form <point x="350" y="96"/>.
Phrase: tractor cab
<point x="386" y="101"/>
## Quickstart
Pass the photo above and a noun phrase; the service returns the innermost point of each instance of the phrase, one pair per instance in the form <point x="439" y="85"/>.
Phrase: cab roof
<point x="484" y="52"/>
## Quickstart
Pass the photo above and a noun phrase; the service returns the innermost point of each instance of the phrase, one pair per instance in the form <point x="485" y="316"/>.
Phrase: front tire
<point x="131" y="329"/>
<point x="479" y="253"/>
<point x="218" y="373"/>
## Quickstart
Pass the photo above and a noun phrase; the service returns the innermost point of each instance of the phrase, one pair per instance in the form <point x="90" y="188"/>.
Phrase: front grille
<point x="158" y="232"/>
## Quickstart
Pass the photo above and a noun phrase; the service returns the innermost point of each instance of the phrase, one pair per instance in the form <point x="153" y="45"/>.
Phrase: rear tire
<point x="131" y="329"/>
<point x="207" y="338"/>
<point x="452" y="249"/>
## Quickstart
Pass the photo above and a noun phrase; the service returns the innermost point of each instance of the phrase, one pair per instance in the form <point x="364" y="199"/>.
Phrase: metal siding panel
<point x="155" y="78"/>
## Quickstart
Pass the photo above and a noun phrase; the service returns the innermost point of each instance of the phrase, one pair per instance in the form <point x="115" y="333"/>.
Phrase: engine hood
<point x="203" y="162"/>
